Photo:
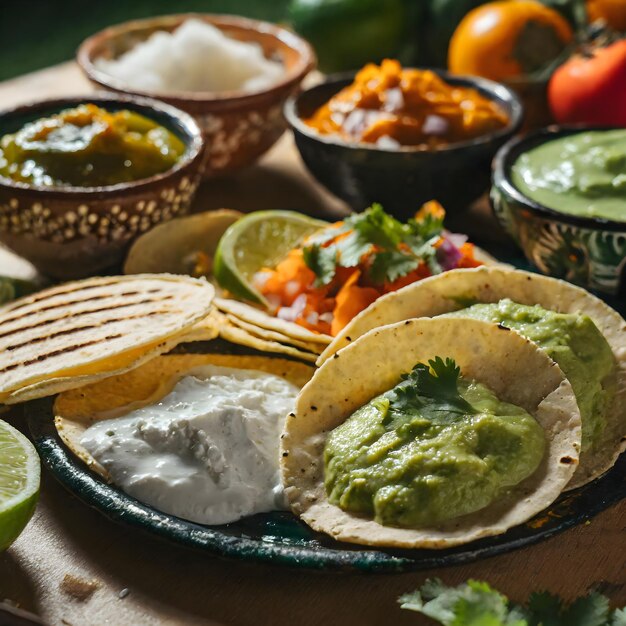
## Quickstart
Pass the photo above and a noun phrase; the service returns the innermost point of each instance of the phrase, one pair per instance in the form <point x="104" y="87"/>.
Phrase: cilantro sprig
<point x="475" y="603"/>
<point x="395" y="249"/>
<point x="431" y="390"/>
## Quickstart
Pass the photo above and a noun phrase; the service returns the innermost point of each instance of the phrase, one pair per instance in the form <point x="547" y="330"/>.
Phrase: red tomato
<point x="591" y="90"/>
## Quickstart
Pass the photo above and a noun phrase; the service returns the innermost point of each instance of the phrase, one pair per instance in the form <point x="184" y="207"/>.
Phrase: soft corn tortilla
<point x="455" y="289"/>
<point x="271" y="335"/>
<point x="511" y="366"/>
<point x="218" y="324"/>
<point x="261" y="319"/>
<point x="78" y="409"/>
<point x="69" y="335"/>
<point x="237" y="335"/>
<point x="169" y="246"/>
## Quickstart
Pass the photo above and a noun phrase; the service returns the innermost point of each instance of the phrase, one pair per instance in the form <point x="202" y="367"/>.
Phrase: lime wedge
<point x="19" y="483"/>
<point x="260" y="239"/>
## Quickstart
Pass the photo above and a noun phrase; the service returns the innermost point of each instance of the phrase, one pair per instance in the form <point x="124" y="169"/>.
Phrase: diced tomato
<point x="290" y="278"/>
<point x="422" y="271"/>
<point x="467" y="258"/>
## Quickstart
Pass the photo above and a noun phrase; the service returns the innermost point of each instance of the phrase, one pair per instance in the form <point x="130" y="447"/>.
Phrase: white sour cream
<point x="207" y="452"/>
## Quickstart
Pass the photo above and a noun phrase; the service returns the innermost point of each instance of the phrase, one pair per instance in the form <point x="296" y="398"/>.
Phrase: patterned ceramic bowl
<point x="238" y="126"/>
<point x="588" y="251"/>
<point x="72" y="232"/>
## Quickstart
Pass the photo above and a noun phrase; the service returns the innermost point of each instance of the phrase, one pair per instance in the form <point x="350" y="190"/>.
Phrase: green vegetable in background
<point x="443" y="16"/>
<point x="11" y="288"/>
<point x="575" y="11"/>
<point x="475" y="603"/>
<point x="347" y="34"/>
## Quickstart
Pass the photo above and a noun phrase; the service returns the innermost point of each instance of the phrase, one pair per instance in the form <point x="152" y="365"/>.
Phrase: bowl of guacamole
<point x="81" y="178"/>
<point x="560" y="192"/>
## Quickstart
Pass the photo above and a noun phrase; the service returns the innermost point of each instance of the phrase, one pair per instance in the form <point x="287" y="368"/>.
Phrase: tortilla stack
<point x="73" y="334"/>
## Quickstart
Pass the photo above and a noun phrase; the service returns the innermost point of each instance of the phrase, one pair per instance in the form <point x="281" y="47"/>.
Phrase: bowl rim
<point x="307" y="60"/>
<point x="494" y="91"/>
<point x="502" y="181"/>
<point x="194" y="144"/>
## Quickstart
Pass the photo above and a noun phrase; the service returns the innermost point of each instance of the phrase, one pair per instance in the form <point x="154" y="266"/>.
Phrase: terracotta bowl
<point x="238" y="126"/>
<point x="72" y="232"/>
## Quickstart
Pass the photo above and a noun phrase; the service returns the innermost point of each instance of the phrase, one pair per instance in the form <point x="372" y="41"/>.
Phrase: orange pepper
<point x="350" y="301"/>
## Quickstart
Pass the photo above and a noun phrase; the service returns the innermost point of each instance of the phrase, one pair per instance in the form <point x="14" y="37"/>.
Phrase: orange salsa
<point x="391" y="106"/>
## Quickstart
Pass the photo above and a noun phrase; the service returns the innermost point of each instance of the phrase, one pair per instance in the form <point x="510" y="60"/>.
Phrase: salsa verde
<point x="88" y="147"/>
<point x="582" y="174"/>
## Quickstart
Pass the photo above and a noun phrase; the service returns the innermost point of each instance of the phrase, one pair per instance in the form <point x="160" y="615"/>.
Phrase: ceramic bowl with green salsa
<point x="81" y="178"/>
<point x="561" y="193"/>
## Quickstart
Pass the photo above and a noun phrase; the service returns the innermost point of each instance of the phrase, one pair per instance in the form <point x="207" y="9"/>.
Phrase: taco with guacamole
<point x="430" y="433"/>
<point x="580" y="332"/>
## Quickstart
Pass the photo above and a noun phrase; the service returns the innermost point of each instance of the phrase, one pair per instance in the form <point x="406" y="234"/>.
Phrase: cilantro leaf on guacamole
<point x="432" y="390"/>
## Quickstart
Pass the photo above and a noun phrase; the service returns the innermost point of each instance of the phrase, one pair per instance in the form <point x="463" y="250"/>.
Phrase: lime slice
<point x="19" y="483"/>
<point x="260" y="239"/>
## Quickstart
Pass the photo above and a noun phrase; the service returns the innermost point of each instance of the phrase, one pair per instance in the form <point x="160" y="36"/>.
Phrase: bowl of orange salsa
<point x="403" y="136"/>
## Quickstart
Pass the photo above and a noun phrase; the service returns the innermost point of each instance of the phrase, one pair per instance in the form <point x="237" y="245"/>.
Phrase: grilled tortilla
<point x="511" y="366"/>
<point x="66" y="336"/>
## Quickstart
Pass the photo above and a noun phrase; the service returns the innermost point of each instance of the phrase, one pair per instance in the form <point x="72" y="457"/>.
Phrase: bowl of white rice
<point x="231" y="73"/>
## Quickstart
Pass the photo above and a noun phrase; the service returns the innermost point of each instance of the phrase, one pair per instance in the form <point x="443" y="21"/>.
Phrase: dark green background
<point x="36" y="34"/>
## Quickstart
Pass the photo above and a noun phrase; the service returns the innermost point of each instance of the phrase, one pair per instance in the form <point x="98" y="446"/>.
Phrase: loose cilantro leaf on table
<point x="477" y="604"/>
<point x="11" y="288"/>
<point x="472" y="604"/>
<point x="431" y="393"/>
<point x="394" y="249"/>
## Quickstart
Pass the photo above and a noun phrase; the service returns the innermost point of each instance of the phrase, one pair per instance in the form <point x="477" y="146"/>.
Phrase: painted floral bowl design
<point x="72" y="232"/>
<point x="584" y="250"/>
<point x="238" y="126"/>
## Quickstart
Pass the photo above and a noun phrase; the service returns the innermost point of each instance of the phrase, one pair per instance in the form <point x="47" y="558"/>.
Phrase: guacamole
<point x="575" y="343"/>
<point x="88" y="147"/>
<point x="582" y="174"/>
<point x="433" y="448"/>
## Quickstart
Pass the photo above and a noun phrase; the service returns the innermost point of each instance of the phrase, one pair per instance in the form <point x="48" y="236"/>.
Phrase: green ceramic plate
<point x="280" y="538"/>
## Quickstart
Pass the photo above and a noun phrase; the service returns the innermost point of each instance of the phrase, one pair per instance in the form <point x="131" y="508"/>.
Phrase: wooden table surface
<point x="74" y="567"/>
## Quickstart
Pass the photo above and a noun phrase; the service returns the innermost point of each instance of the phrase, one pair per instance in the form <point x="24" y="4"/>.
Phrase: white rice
<point x="196" y="57"/>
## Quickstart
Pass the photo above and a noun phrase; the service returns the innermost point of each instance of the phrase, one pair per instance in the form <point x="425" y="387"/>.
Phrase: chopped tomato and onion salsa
<point x="390" y="106"/>
<point x="339" y="271"/>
